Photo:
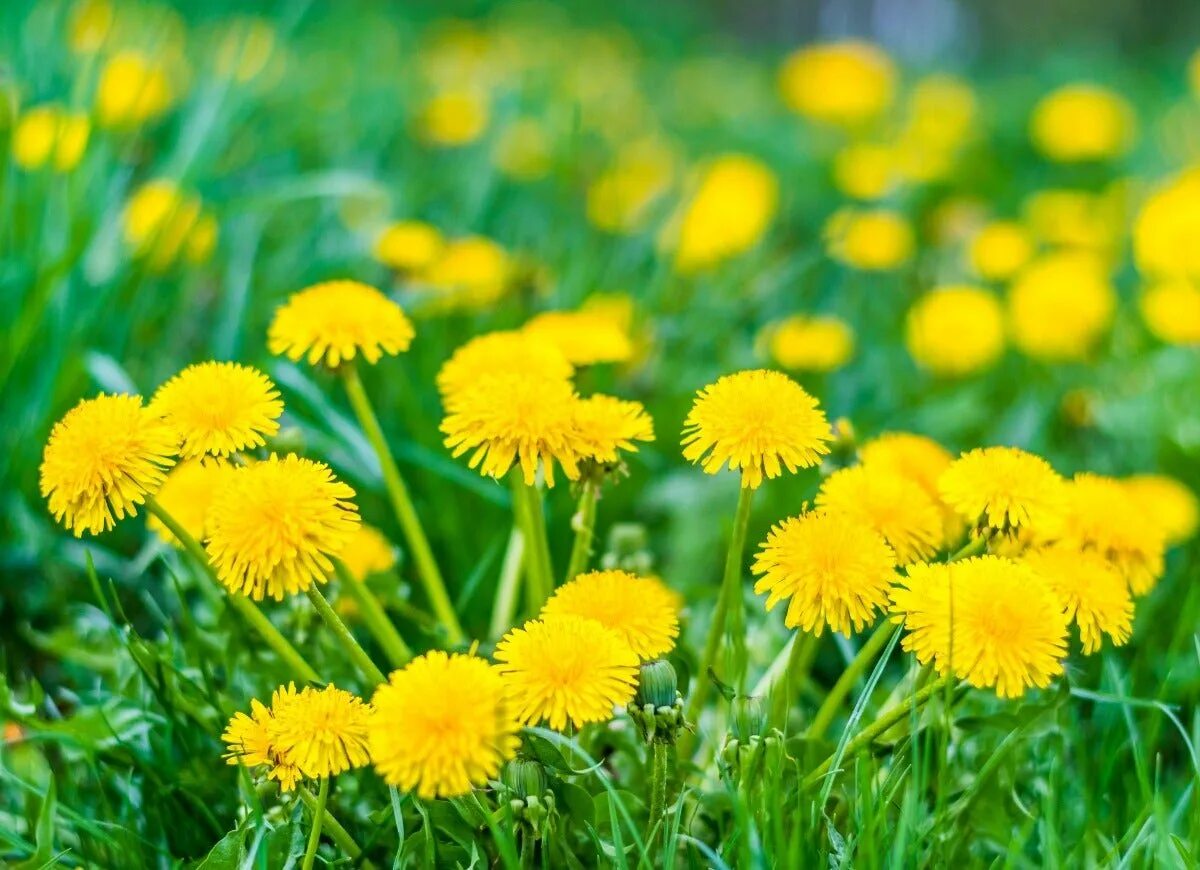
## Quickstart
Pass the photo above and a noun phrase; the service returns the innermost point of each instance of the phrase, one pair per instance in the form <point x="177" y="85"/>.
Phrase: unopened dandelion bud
<point x="524" y="777"/>
<point x="658" y="685"/>
<point x="749" y="718"/>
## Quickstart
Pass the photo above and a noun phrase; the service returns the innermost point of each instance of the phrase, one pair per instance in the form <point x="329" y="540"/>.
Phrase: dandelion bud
<point x="524" y="777"/>
<point x="749" y="718"/>
<point x="658" y="685"/>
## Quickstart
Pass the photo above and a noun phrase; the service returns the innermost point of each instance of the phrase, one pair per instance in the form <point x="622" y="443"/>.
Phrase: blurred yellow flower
<point x="367" y="552"/>
<point x="955" y="330"/>
<point x="833" y="571"/>
<point x="727" y="213"/>
<point x="810" y="344"/>
<point x="1004" y="489"/>
<point x="1171" y="310"/>
<point x="132" y="90"/>
<point x="1104" y="516"/>
<point x="758" y="422"/>
<point x="994" y="622"/>
<point x="620" y="198"/>
<point x="186" y="495"/>
<point x="522" y="151"/>
<point x="335" y="321"/>
<point x="50" y="135"/>
<point x="452" y="118"/>
<point x="244" y="49"/>
<point x="942" y="113"/>
<point x="497" y="353"/>
<point x="162" y="225"/>
<point x="408" y="246"/>
<point x="640" y="610"/>
<point x="219" y="408"/>
<point x="872" y="240"/>
<point x="274" y="525"/>
<point x="516" y="417"/>
<point x="470" y="273"/>
<point x="895" y="507"/>
<point x="999" y="250"/>
<point x="442" y="725"/>
<point x="1166" y="231"/>
<point x="566" y="669"/>
<point x="89" y="25"/>
<point x="866" y="171"/>
<point x="584" y="338"/>
<point x="1073" y="219"/>
<point x="1168" y="502"/>
<point x="101" y="461"/>
<point x="606" y="426"/>
<point x="846" y="83"/>
<point x="1095" y="595"/>
<point x="1060" y="305"/>
<point x="920" y="459"/>
<point x="1081" y="122"/>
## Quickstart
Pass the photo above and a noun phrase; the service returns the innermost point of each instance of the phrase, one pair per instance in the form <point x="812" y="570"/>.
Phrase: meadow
<point x="579" y="438"/>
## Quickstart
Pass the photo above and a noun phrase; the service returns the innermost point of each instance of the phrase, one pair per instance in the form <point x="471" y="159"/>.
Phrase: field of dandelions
<point x="519" y="441"/>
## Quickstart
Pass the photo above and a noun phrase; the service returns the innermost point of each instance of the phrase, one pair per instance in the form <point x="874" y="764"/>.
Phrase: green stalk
<point x="345" y="638"/>
<point x="406" y="513"/>
<point x="863" y="660"/>
<point x="728" y="616"/>
<point x="243" y="605"/>
<point x="659" y="772"/>
<point x="318" y="818"/>
<point x="801" y="653"/>
<point x="504" y="606"/>
<point x="867" y="736"/>
<point x="584" y="522"/>
<point x="539" y="571"/>
<point x="331" y="826"/>
<point x="374" y="616"/>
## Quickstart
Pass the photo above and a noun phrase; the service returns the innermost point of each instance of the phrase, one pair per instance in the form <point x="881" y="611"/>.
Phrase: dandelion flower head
<point x="367" y="552"/>
<point x="1005" y="489"/>
<point x="641" y="610"/>
<point x="408" y="246"/>
<point x="1094" y="593"/>
<point x="186" y="495"/>
<point x="583" y="337"/>
<point x="893" y="506"/>
<point x="321" y="732"/>
<point x="1170" y="504"/>
<point x="812" y="344"/>
<point x="1060" y="305"/>
<point x="956" y="330"/>
<point x="872" y="240"/>
<point x="608" y="426"/>
<point x="249" y="738"/>
<point x="335" y="321"/>
<point x="1081" y="122"/>
<point x="219" y="408"/>
<point x="495" y="353"/>
<point x="1171" y="311"/>
<point x="846" y="84"/>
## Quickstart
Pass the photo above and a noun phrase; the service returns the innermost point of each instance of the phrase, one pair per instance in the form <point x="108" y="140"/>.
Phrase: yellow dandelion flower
<point x="1166" y="231"/>
<point x="367" y="552"/>
<point x="583" y="337"/>
<point x="731" y="209"/>
<point x="866" y="171"/>
<point x="471" y="273"/>
<point x="452" y="118"/>
<point x="833" y="571"/>
<point x="999" y="250"/>
<point x="408" y="246"/>
<point x="516" y="418"/>
<point x="619" y="200"/>
<point x="335" y="321"/>
<point x="132" y="90"/>
<point x="186" y="494"/>
<point x="219" y="408"/>
<point x="566" y="669"/>
<point x="922" y="460"/>
<point x="758" y="422"/>
<point x="1171" y="505"/>
<point x="1060" y="305"/>
<point x="607" y="426"/>
<point x="274" y="525"/>
<point x="893" y="506"/>
<point x="876" y="240"/>
<point x="321" y="732"/>
<point x="249" y="739"/>
<point x="1101" y="516"/>
<point x="496" y="353"/>
<point x="101" y="461"/>
<point x="994" y="622"/>
<point x="811" y="344"/>
<point x="442" y="725"/>
<point x="1004" y="488"/>
<point x="50" y="135"/>
<point x="846" y="83"/>
<point x="1171" y="311"/>
<point x="1082" y="122"/>
<point x="955" y="330"/>
<point x="1094" y="593"/>
<point x="89" y="25"/>
<point x="641" y="610"/>
<point x="163" y="225"/>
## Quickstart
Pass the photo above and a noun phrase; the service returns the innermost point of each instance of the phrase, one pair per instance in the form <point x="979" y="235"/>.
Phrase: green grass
<point x="121" y="665"/>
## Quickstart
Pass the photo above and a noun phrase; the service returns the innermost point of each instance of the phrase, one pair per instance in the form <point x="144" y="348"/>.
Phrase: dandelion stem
<point x="406" y="513"/>
<point x="539" y="571"/>
<point x="331" y="826"/>
<point x="728" y="616"/>
<point x="243" y="605"/>
<point x="973" y="547"/>
<point x="504" y="607"/>
<point x="345" y="638"/>
<point x="660" y="767"/>
<point x="867" y="735"/>
<point x="374" y="616"/>
<point x="833" y="700"/>
<point x="584" y="522"/>
<point x="318" y="818"/>
<point x="801" y="652"/>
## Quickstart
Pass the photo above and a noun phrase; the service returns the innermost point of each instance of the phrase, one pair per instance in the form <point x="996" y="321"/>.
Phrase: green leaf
<point x="43" y="853"/>
<point x="227" y="853"/>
